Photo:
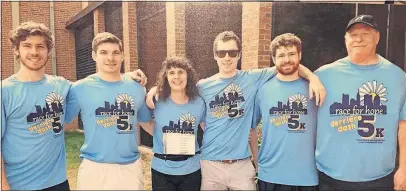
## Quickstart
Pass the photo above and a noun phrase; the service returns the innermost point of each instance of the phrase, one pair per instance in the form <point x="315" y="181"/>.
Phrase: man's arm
<point x="145" y="119"/>
<point x="138" y="76"/>
<point x="256" y="119"/>
<point x="400" y="175"/>
<point x="4" y="183"/>
<point x="254" y="146"/>
<point x="316" y="88"/>
<point x="148" y="127"/>
<point x="150" y="97"/>
<point x="72" y="105"/>
<point x="202" y="125"/>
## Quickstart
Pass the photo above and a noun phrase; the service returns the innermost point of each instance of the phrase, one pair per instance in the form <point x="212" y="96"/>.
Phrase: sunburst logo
<point x="189" y="118"/>
<point x="53" y="98"/>
<point x="125" y="98"/>
<point x="298" y="98"/>
<point x="232" y="88"/>
<point x="373" y="89"/>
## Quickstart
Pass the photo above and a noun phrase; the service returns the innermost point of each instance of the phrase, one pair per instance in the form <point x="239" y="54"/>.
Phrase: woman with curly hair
<point x="180" y="109"/>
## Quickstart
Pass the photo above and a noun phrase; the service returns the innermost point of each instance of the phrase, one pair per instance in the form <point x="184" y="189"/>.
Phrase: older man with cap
<point x="363" y="117"/>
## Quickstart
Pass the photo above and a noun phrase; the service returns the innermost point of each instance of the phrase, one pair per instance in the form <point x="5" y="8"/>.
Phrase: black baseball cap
<point x="365" y="19"/>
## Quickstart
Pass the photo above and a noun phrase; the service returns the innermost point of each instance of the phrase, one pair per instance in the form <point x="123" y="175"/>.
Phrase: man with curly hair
<point x="33" y="107"/>
<point x="286" y="157"/>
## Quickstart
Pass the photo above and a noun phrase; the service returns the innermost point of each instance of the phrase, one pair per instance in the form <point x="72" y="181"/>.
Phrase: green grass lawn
<point x="74" y="140"/>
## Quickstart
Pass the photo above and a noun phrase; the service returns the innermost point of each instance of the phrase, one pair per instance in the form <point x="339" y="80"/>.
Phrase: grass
<point x="74" y="141"/>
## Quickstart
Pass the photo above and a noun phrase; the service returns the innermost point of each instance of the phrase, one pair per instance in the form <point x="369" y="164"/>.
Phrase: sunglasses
<point x="231" y="53"/>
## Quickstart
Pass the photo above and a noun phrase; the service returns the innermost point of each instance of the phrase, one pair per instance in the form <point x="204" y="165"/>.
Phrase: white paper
<point x="179" y="144"/>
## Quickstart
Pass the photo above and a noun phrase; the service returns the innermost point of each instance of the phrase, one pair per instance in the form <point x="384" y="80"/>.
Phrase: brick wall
<point x="264" y="52"/>
<point x="65" y="39"/>
<point x="130" y="42"/>
<point x="65" y="45"/>
<point x="39" y="12"/>
<point x="256" y="35"/>
<point x="180" y="28"/>
<point x="7" y="59"/>
<point x="130" y="36"/>
<point x="98" y="18"/>
<point x="84" y="4"/>
<point x="250" y="35"/>
<point x="175" y="27"/>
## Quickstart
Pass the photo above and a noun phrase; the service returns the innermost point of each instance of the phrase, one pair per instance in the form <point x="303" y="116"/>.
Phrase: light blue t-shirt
<point x="286" y="155"/>
<point x="110" y="112"/>
<point x="183" y="118"/>
<point x="229" y="109"/>
<point x="358" y="122"/>
<point x="32" y="135"/>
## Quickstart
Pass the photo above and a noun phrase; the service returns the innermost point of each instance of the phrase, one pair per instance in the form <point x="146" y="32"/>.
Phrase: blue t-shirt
<point x="229" y="109"/>
<point x="358" y="122"/>
<point x="110" y="112"/>
<point x="286" y="155"/>
<point x="182" y="118"/>
<point x="32" y="136"/>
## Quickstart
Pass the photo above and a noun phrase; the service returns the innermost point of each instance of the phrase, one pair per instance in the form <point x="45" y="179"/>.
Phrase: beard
<point x="35" y="68"/>
<point x="294" y="68"/>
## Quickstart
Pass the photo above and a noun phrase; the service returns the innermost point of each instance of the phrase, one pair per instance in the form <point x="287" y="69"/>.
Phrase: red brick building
<point x="152" y="31"/>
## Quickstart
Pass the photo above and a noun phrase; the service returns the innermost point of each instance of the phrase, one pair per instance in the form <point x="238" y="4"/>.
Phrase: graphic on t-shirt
<point x="184" y="125"/>
<point x="179" y="137"/>
<point x="361" y="112"/>
<point x="229" y="103"/>
<point x="118" y="114"/>
<point x="48" y="117"/>
<point x="290" y="113"/>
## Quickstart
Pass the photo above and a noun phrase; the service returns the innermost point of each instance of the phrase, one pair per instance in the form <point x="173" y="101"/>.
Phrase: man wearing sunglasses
<point x="229" y="97"/>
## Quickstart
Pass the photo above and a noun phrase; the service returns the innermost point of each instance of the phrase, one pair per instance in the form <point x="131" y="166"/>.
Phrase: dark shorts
<point x="61" y="186"/>
<point x="267" y="186"/>
<point x="161" y="181"/>
<point x="328" y="183"/>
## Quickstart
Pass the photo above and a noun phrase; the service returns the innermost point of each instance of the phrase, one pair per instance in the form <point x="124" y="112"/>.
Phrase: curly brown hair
<point x="163" y="88"/>
<point x="28" y="29"/>
<point x="286" y="39"/>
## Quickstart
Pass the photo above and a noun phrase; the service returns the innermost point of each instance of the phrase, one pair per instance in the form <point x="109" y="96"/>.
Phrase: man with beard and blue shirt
<point x="286" y="157"/>
<point x="110" y="105"/>
<point x="363" y="117"/>
<point x="229" y="98"/>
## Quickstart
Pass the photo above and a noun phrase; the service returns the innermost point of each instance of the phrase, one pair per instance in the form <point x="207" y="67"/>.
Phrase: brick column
<point x="65" y="46"/>
<point x="98" y="18"/>
<point x="130" y="43"/>
<point x="7" y="54"/>
<point x="256" y="34"/>
<point x="175" y="28"/>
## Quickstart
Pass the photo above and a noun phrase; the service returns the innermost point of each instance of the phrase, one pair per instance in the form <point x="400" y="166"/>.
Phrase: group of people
<point x="337" y="129"/>
<point x="350" y="141"/>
